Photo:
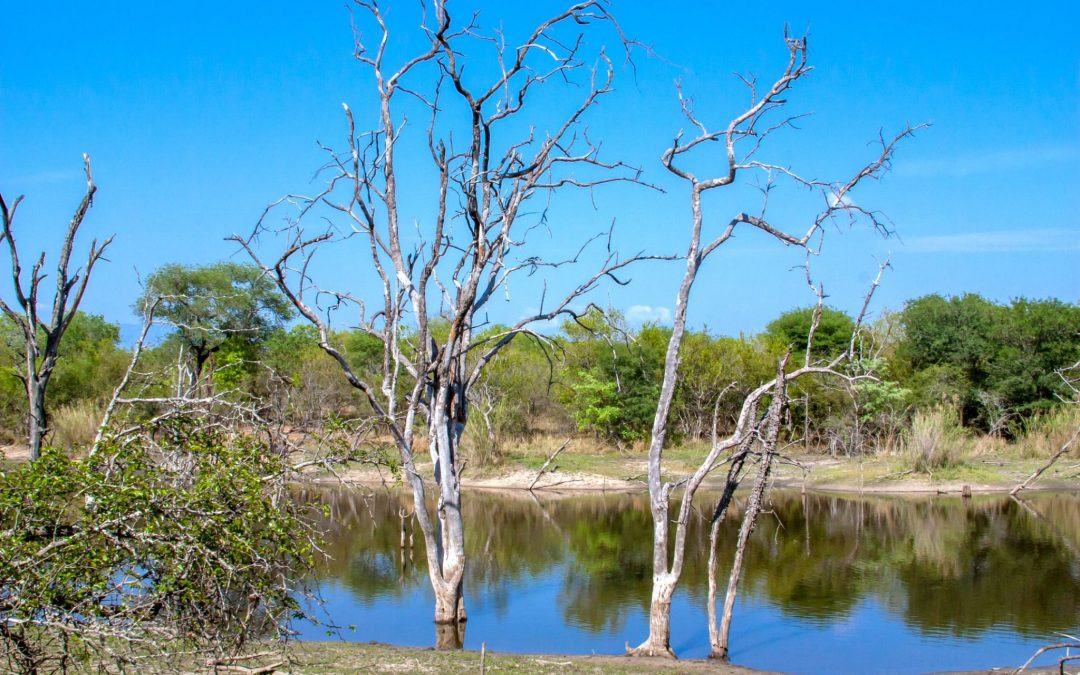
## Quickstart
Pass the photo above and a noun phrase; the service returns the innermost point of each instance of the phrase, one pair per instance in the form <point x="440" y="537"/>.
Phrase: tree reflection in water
<point x="946" y="567"/>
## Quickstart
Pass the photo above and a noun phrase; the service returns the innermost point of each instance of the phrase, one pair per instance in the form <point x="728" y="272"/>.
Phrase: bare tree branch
<point x="41" y="357"/>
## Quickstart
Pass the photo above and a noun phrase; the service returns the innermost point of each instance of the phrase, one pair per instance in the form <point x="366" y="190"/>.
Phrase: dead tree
<point x="718" y="637"/>
<point x="490" y="164"/>
<point x="42" y="336"/>
<point x="740" y="139"/>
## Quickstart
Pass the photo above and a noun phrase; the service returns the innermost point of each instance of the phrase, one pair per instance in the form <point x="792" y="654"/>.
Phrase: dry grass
<point x="935" y="441"/>
<point x="1046" y="433"/>
<point x="74" y="425"/>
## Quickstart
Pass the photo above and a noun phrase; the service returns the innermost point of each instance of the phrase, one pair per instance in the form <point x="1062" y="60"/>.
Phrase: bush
<point x="143" y="550"/>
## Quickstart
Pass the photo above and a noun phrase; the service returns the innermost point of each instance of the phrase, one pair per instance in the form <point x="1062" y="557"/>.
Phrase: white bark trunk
<point x="659" y="641"/>
<point x="720" y="642"/>
<point x="36" y="419"/>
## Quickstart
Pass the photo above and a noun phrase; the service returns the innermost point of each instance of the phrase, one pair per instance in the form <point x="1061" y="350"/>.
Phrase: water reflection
<point x="968" y="583"/>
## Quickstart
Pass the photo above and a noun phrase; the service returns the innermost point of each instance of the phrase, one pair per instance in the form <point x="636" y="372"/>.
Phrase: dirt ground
<point x="338" y="657"/>
<point x="15" y="453"/>
<point x="860" y="476"/>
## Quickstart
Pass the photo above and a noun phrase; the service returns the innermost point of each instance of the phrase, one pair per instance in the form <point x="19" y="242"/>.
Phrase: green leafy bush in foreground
<point x="191" y="545"/>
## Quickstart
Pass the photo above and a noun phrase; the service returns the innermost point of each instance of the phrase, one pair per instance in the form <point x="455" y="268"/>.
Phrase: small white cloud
<point x="836" y="200"/>
<point x="639" y="314"/>
<point x="1001" y="241"/>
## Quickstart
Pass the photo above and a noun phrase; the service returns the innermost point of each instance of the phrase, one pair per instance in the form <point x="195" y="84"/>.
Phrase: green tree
<point x="214" y="305"/>
<point x="302" y="383"/>
<point x="1035" y="339"/>
<point x="832" y="337"/>
<point x="997" y="363"/>
<point x="613" y="375"/>
<point x="91" y="361"/>
<point x="710" y="366"/>
<point x="89" y="364"/>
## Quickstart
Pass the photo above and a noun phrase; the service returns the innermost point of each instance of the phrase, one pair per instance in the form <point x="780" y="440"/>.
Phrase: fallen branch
<point x="549" y="461"/>
<point x="1063" y="660"/>
<point x="265" y="670"/>
<point x="1057" y="455"/>
<point x="1043" y="650"/>
<point x="233" y="659"/>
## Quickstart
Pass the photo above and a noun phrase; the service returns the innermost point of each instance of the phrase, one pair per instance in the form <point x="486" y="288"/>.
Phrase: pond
<point x="832" y="585"/>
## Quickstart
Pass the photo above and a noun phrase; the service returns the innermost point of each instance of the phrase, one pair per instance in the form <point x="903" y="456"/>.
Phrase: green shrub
<point x="190" y="547"/>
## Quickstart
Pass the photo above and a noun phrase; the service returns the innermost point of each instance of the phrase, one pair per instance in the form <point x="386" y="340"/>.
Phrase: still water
<point x="832" y="584"/>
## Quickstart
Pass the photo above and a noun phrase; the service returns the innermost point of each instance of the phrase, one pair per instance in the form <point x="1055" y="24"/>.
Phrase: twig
<point x="136" y="352"/>
<point x="549" y="461"/>
<point x="264" y="670"/>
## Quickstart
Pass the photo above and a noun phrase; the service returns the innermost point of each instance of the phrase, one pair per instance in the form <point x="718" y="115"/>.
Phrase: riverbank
<point x="327" y="658"/>
<point x="319" y="658"/>
<point x="603" y="469"/>
<point x="613" y="471"/>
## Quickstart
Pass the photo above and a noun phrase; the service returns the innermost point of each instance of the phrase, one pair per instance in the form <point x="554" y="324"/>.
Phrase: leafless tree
<point x="42" y="336"/>
<point x="490" y="166"/>
<point x="741" y="139"/>
<point x="770" y="426"/>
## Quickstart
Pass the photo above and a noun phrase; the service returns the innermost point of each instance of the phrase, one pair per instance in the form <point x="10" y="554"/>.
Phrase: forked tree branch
<point x="40" y="356"/>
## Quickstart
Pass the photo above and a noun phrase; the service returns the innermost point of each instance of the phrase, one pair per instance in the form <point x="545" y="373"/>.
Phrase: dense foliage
<point x="191" y="545"/>
<point x="993" y="365"/>
<point x="226" y="309"/>
<point x="996" y="363"/>
<point x="90" y="365"/>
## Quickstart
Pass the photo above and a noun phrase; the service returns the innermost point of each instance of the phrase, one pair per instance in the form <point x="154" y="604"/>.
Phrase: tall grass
<point x="1045" y="434"/>
<point x="936" y="440"/>
<point x="75" y="424"/>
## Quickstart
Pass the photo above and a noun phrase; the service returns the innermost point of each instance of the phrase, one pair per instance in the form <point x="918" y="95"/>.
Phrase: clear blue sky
<point x="197" y="115"/>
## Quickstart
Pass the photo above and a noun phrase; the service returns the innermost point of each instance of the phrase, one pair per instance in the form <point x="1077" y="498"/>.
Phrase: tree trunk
<point x="447" y="578"/>
<point x="659" y="641"/>
<point x="714" y="536"/>
<point x="450" y="616"/>
<point x="719" y="642"/>
<point x="36" y="420"/>
<point x="449" y="602"/>
<point x="197" y="385"/>
<point x="719" y="514"/>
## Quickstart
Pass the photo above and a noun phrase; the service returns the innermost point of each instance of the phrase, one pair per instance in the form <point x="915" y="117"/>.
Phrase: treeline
<point x="985" y="367"/>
